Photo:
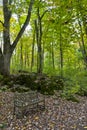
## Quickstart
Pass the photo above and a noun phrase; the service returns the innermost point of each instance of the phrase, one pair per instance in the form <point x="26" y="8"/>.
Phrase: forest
<point x="43" y="47"/>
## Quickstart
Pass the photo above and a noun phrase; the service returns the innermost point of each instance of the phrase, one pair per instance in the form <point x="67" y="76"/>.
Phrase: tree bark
<point x="5" y="64"/>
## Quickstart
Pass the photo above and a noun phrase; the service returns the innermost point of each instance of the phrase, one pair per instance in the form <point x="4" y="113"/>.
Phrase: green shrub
<point x="71" y="87"/>
<point x="6" y="80"/>
<point x="4" y="88"/>
<point x="1" y="77"/>
<point x="42" y="83"/>
<point x="57" y="83"/>
<point x="72" y="98"/>
<point x="3" y="126"/>
<point x="81" y="78"/>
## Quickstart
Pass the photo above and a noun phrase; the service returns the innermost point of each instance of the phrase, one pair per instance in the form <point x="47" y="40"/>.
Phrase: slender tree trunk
<point x="43" y="55"/>
<point x="61" y="54"/>
<point x="32" y="59"/>
<point x="39" y="44"/>
<point x="38" y="28"/>
<point x="80" y="14"/>
<point x="82" y="46"/>
<point x="21" y="55"/>
<point x="36" y="31"/>
<point x="39" y="54"/>
<point x="25" y="59"/>
<point x="1" y="63"/>
<point x="21" y="47"/>
<point x="28" y="60"/>
<point x="53" y="56"/>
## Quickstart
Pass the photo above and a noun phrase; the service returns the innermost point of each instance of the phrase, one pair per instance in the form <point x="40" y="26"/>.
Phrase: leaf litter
<point x="59" y="114"/>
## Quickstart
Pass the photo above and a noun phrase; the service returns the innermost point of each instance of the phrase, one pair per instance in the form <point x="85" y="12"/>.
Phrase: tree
<point x="82" y="21"/>
<point x="8" y="47"/>
<point x="38" y="29"/>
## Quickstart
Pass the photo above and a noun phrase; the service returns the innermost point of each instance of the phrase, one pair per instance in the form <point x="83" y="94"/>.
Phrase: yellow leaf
<point x="1" y="27"/>
<point x="36" y="118"/>
<point x="74" y="126"/>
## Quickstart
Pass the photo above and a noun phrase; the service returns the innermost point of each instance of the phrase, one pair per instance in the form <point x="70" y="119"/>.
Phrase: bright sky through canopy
<point x="0" y="2"/>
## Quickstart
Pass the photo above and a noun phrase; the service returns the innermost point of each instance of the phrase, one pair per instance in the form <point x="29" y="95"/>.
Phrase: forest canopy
<point x="44" y="36"/>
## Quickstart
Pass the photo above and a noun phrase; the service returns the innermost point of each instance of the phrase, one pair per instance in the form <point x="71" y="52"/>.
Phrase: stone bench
<point x="27" y="102"/>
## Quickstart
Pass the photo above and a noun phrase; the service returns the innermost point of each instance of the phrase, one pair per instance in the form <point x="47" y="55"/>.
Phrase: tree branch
<point x="2" y="23"/>
<point x="23" y="27"/>
<point x="43" y="14"/>
<point x="10" y="1"/>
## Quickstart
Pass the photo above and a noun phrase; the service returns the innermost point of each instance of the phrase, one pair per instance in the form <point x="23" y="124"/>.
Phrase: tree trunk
<point x="5" y="64"/>
<point x="61" y="54"/>
<point x="82" y="46"/>
<point x="33" y="44"/>
<point x="1" y="63"/>
<point x="21" y="46"/>
<point x="53" y="62"/>
<point x="80" y="14"/>
<point x="38" y="28"/>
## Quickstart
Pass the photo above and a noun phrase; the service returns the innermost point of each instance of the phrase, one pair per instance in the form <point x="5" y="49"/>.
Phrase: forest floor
<point x="59" y="114"/>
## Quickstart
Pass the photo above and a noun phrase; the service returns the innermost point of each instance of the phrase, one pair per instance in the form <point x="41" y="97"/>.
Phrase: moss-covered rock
<point x="19" y="88"/>
<point x="34" y="81"/>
